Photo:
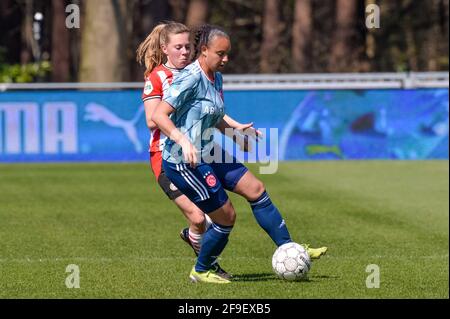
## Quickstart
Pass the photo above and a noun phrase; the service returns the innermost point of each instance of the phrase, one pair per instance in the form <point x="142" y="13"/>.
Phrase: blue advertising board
<point x="324" y="124"/>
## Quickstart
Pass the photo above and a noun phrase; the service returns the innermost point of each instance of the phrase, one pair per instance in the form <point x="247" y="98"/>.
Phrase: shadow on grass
<point x="273" y="277"/>
<point x="313" y="277"/>
<point x="254" y="277"/>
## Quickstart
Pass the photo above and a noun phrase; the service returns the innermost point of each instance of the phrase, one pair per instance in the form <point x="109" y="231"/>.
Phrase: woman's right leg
<point x="203" y="188"/>
<point x="199" y="222"/>
<point x="216" y="237"/>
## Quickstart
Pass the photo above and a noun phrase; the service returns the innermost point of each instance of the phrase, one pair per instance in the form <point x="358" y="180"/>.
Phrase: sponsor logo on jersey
<point x="209" y="109"/>
<point x="148" y="87"/>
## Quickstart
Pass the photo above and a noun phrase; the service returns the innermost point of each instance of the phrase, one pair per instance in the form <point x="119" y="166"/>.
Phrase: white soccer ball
<point x="291" y="262"/>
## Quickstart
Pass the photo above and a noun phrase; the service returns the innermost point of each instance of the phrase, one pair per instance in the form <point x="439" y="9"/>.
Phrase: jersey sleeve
<point x="152" y="88"/>
<point x="183" y="89"/>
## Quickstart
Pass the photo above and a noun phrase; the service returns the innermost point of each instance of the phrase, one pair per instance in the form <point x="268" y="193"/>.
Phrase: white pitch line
<point x="124" y="259"/>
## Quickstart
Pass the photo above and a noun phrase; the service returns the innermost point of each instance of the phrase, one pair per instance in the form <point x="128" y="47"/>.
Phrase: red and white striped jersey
<point x="156" y="86"/>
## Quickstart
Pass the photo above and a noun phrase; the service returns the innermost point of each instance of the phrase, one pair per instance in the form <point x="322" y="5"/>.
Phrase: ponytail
<point x="149" y="51"/>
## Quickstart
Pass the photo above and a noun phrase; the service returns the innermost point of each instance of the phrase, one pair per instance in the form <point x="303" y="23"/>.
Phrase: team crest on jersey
<point x="211" y="180"/>
<point x="148" y="88"/>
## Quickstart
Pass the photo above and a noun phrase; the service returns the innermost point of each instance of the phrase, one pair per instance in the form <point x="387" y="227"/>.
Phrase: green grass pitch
<point x="116" y="225"/>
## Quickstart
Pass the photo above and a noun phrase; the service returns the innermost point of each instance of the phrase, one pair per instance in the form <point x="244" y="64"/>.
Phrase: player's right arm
<point x="150" y="106"/>
<point x="151" y="96"/>
<point x="178" y="98"/>
<point x="162" y="120"/>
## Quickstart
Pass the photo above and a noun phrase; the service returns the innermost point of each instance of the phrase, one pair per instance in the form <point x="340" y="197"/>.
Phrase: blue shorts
<point x="205" y="184"/>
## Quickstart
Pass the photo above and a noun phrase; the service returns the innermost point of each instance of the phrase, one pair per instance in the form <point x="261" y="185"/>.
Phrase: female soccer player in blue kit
<point x="195" y="105"/>
<point x="166" y="51"/>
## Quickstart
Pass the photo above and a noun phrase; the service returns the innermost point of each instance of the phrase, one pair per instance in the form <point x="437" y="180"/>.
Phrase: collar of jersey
<point x="172" y="69"/>
<point x="206" y="76"/>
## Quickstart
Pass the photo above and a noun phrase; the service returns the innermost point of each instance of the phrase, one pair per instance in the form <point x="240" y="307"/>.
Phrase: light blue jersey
<point x="199" y="106"/>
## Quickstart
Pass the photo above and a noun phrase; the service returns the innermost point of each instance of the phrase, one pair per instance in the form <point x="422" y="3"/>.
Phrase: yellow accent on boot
<point x="207" y="276"/>
<point x="315" y="253"/>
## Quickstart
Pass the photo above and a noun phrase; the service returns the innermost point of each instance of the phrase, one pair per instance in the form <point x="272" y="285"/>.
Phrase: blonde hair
<point x="149" y="51"/>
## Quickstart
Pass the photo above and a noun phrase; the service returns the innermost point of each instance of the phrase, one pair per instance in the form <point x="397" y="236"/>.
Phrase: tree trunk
<point x="301" y="35"/>
<point x="26" y="53"/>
<point x="10" y="26"/>
<point x="104" y="41"/>
<point x="443" y="22"/>
<point x="143" y="15"/>
<point x="269" y="62"/>
<point x="433" y="35"/>
<point x="197" y="13"/>
<point x="75" y="36"/>
<point x="178" y="8"/>
<point x="60" y="43"/>
<point x="341" y="51"/>
<point x="370" y="37"/>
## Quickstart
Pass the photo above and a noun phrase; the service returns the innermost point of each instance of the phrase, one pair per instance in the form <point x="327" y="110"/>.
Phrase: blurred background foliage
<point x="23" y="73"/>
<point x="268" y="36"/>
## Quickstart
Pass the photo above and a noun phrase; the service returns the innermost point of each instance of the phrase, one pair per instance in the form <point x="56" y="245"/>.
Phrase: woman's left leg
<point x="235" y="177"/>
<point x="265" y="212"/>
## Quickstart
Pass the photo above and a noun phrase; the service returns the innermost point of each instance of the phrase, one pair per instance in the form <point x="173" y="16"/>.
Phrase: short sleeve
<point x="183" y="89"/>
<point x="152" y="88"/>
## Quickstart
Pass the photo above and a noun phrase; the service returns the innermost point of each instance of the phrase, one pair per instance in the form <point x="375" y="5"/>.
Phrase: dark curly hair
<point x="203" y="36"/>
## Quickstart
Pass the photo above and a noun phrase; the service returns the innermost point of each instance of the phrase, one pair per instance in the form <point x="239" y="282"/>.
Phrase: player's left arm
<point x="228" y="122"/>
<point x="245" y="128"/>
<point x="232" y="132"/>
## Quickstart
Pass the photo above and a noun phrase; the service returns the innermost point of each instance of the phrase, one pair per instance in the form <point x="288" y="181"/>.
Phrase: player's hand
<point x="247" y="144"/>
<point x="189" y="152"/>
<point x="249" y="130"/>
<point x="243" y="141"/>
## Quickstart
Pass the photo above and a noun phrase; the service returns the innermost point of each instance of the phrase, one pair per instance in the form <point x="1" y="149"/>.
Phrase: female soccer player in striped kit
<point x="195" y="105"/>
<point x="165" y="52"/>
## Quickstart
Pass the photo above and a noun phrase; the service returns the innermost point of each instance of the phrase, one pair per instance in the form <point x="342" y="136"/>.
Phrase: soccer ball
<point x="291" y="262"/>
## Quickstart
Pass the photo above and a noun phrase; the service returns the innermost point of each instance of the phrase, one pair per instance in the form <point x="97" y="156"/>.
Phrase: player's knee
<point x="232" y="217"/>
<point x="225" y="215"/>
<point x="256" y="189"/>
<point x="230" y="214"/>
<point x="197" y="218"/>
<point x="260" y="187"/>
